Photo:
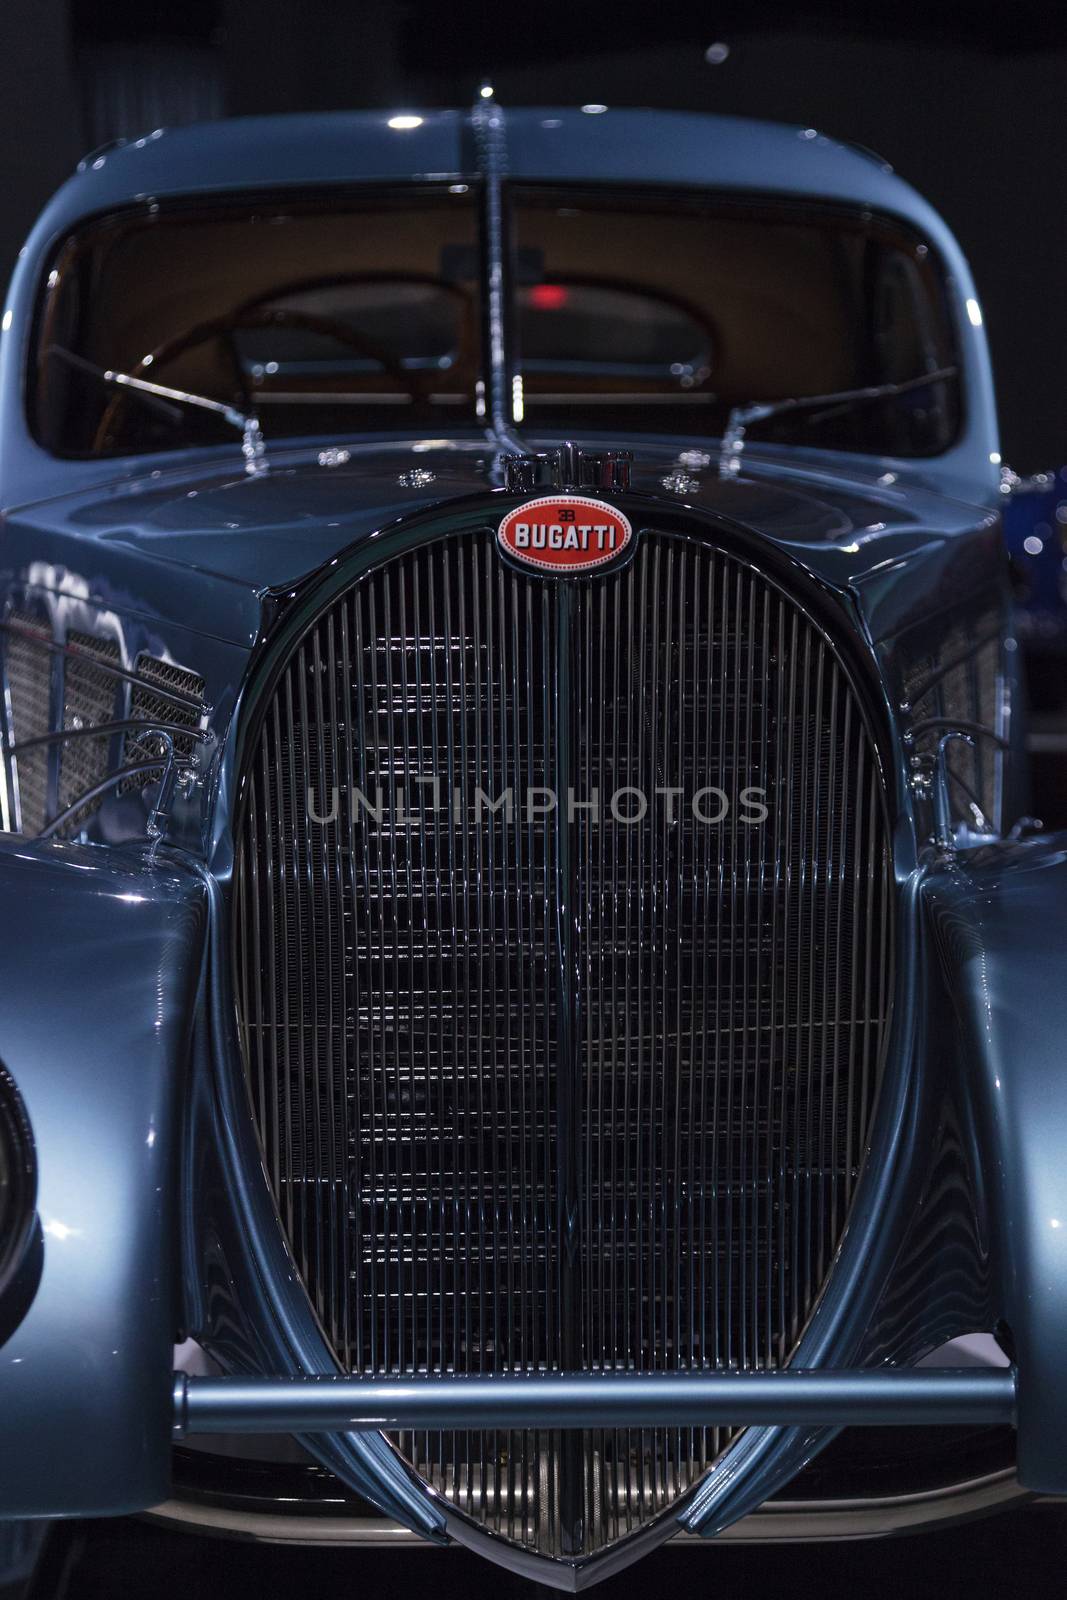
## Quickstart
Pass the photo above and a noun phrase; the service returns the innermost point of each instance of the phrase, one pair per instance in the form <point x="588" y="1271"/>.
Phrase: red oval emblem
<point x="564" y="533"/>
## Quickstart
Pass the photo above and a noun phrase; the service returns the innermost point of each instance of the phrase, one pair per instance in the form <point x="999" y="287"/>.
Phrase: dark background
<point x="969" y="102"/>
<point x="1020" y="1553"/>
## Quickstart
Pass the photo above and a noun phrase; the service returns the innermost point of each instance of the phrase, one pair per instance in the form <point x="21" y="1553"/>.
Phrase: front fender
<point x="99" y="956"/>
<point x="1000" y="918"/>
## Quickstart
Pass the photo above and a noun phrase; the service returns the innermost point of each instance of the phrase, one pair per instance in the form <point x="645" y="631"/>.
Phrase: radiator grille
<point x="28" y="675"/>
<point x="460" y="1032"/>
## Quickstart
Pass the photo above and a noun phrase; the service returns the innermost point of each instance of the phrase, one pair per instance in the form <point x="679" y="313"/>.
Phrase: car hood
<point x="203" y="542"/>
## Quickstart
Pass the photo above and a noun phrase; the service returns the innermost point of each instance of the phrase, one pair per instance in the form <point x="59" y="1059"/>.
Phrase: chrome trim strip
<point x="490" y="137"/>
<point x="778" y="1522"/>
<point x="883" y="1396"/>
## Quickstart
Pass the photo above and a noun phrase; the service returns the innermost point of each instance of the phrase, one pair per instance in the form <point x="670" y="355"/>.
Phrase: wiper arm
<point x="742" y="417"/>
<point x="253" y="444"/>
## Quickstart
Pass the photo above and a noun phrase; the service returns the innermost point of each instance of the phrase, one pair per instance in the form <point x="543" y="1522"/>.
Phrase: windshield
<point x="319" y="317"/>
<point x="360" y="312"/>
<point x="668" y="313"/>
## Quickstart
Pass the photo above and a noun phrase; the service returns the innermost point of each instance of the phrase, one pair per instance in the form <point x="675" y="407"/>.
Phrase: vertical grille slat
<point x="466" y="1020"/>
<point x="28" y="683"/>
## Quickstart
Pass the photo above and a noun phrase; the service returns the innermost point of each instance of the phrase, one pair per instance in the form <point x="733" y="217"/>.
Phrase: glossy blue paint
<point x="280" y="1334"/>
<point x="224" y="538"/>
<point x="98" y="965"/>
<point x="893" y="1398"/>
<point x="132" y="1027"/>
<point x="998" y="917"/>
<point x="194" y="567"/>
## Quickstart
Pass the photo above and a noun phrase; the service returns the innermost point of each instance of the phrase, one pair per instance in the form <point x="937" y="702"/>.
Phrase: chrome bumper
<point x="894" y="1397"/>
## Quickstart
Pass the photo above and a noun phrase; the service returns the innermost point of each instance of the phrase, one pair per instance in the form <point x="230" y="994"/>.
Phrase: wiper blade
<point x="253" y="445"/>
<point x="742" y="417"/>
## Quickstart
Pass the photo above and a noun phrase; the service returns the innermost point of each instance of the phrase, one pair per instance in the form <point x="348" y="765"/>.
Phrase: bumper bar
<point x="892" y="1396"/>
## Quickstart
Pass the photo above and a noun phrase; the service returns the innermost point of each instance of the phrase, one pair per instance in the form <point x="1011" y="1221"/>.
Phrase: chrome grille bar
<point x="887" y="1396"/>
<point x="542" y="1090"/>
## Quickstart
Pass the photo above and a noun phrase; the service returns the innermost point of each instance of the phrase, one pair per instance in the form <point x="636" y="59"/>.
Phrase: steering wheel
<point x="413" y="383"/>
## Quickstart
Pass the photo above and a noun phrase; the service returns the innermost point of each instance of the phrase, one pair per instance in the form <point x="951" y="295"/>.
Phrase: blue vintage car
<point x="528" y="996"/>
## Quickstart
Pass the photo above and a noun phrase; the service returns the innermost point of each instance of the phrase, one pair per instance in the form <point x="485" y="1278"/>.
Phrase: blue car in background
<point x="1035" y="528"/>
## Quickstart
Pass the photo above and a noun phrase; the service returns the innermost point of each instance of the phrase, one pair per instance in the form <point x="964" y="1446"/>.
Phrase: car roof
<point x="600" y="145"/>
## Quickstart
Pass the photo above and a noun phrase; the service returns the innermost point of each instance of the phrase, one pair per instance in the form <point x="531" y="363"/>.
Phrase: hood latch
<point x="569" y="467"/>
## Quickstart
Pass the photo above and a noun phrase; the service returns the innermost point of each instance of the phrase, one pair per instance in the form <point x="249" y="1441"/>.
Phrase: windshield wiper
<point x="742" y="417"/>
<point x="253" y="444"/>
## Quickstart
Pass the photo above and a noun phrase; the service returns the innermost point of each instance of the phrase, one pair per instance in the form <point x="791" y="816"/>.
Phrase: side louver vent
<point x="958" y="685"/>
<point x="90" y="696"/>
<point x="28" y="681"/>
<point x="153" y="699"/>
<point x="44" y="781"/>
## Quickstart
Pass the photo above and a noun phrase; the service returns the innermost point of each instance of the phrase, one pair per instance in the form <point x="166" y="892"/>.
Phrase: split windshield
<point x="633" y="313"/>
